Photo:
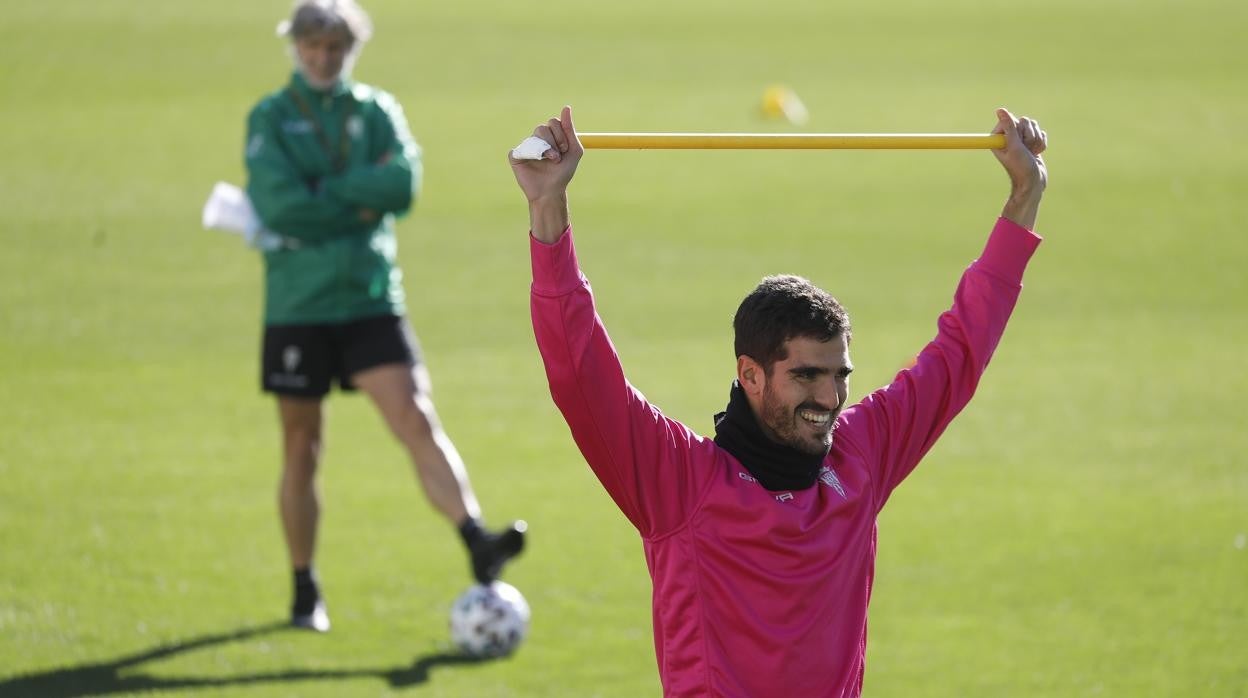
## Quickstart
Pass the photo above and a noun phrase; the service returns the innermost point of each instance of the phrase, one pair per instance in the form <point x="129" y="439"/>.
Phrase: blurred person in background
<point x="330" y="164"/>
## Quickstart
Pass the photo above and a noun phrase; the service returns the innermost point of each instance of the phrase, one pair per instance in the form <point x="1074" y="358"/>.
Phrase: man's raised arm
<point x="640" y="456"/>
<point x="901" y="421"/>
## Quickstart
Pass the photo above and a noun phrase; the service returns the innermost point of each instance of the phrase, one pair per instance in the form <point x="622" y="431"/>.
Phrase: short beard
<point x="774" y="413"/>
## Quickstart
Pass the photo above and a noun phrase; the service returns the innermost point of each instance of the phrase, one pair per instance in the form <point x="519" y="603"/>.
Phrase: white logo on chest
<point x="782" y="497"/>
<point x="355" y="127"/>
<point x="828" y="477"/>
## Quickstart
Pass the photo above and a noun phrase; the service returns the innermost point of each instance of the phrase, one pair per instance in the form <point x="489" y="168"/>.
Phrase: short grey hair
<point x="311" y="17"/>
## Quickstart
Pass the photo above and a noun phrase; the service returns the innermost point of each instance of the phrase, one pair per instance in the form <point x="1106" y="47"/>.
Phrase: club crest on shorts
<point x="290" y="358"/>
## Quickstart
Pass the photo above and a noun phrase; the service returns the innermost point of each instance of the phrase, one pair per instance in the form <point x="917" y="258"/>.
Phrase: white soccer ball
<point x="490" y="621"/>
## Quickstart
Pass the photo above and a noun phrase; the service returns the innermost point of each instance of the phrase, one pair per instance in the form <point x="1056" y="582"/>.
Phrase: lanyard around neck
<point x="337" y="160"/>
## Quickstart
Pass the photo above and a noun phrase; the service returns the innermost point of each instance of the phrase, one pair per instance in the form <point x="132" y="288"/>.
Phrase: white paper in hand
<point x="531" y="148"/>
<point x="228" y="208"/>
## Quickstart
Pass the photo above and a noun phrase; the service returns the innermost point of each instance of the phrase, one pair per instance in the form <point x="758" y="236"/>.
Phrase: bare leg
<point x="298" y="499"/>
<point x="403" y="396"/>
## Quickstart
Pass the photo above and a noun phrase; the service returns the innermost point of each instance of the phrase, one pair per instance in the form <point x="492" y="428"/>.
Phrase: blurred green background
<point x="1082" y="529"/>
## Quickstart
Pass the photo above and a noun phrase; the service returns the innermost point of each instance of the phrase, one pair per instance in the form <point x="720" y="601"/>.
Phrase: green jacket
<point x="332" y="193"/>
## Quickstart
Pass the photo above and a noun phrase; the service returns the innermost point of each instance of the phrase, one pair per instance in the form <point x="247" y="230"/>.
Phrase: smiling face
<point x="798" y="399"/>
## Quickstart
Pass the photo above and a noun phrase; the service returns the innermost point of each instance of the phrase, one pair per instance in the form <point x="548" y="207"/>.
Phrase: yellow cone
<point x="780" y="102"/>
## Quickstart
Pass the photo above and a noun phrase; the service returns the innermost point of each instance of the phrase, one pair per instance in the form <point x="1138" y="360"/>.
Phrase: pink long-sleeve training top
<point x="760" y="593"/>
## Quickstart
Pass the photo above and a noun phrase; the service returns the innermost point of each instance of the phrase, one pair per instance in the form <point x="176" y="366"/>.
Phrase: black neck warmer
<point x="776" y="466"/>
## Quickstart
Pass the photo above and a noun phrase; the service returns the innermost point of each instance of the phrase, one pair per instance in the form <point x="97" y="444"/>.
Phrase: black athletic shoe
<point x="492" y="550"/>
<point x="316" y="619"/>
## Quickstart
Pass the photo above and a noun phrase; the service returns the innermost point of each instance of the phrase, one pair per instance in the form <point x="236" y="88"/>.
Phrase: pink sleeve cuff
<point x="556" y="271"/>
<point x="1008" y="250"/>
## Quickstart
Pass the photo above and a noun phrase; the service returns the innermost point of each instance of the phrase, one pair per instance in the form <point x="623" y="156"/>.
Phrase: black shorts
<point x="302" y="360"/>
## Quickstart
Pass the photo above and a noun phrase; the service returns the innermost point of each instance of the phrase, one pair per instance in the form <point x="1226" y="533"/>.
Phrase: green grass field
<point x="1080" y="530"/>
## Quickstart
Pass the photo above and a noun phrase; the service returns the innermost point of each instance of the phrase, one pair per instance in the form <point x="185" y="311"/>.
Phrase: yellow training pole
<point x="791" y="141"/>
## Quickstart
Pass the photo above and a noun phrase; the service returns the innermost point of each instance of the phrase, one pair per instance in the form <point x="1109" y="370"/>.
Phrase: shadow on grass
<point x="106" y="678"/>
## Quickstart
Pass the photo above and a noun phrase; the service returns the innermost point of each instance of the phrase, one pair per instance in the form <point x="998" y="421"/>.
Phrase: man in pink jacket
<point x="761" y="541"/>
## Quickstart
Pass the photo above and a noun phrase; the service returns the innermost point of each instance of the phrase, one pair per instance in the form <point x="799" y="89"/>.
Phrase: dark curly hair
<point x="781" y="308"/>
